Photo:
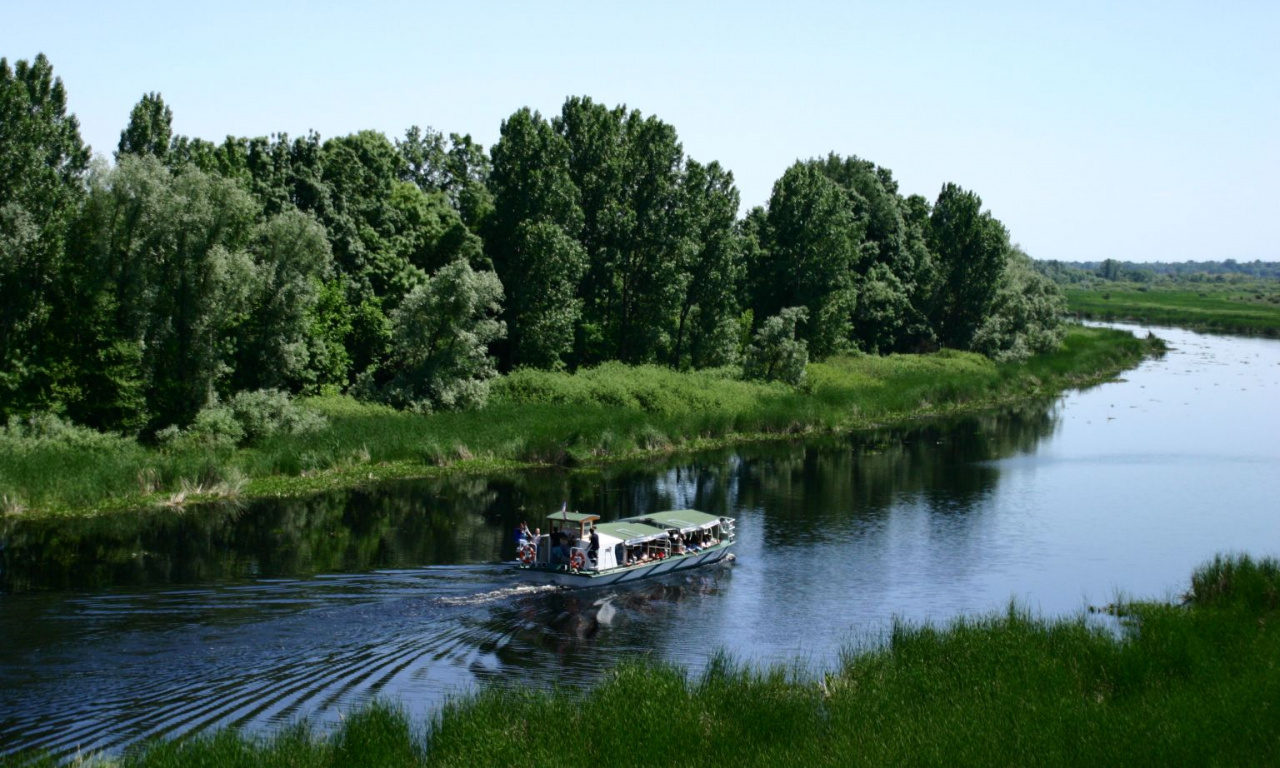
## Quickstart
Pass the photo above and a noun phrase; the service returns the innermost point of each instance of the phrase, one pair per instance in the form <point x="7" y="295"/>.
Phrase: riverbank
<point x="1250" y="308"/>
<point x="1189" y="684"/>
<point x="607" y="414"/>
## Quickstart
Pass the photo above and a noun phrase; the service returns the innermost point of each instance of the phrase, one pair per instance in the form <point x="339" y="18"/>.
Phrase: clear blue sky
<point x="1138" y="130"/>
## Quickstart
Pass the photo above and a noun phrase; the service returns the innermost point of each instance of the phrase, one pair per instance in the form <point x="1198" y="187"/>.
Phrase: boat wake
<point x="496" y="595"/>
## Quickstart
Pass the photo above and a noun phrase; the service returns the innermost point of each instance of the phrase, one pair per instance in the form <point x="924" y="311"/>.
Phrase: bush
<point x="776" y="354"/>
<point x="245" y="419"/>
<point x="268" y="412"/>
<point x="48" y="430"/>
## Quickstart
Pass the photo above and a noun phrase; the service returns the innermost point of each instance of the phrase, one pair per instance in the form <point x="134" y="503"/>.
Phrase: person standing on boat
<point x="594" y="547"/>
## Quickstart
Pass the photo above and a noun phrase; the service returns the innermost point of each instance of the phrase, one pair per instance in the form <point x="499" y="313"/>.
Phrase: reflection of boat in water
<point x="580" y="552"/>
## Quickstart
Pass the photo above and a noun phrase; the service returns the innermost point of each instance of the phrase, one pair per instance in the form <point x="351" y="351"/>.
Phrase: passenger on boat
<point x="594" y="548"/>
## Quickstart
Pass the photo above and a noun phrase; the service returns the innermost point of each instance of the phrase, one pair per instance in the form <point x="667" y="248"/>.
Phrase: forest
<point x="147" y="293"/>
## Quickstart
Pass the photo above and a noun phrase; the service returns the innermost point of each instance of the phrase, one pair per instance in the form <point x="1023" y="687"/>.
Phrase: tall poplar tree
<point x="42" y="164"/>
<point x="150" y="129"/>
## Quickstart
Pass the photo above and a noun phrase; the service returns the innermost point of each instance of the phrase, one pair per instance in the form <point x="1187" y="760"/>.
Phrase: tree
<point x="777" y="353"/>
<point x="628" y="169"/>
<point x="544" y="306"/>
<point x="277" y="347"/>
<point x="810" y="256"/>
<point x="42" y="165"/>
<point x="535" y="216"/>
<point x="707" y="328"/>
<point x="970" y="247"/>
<point x="161" y="280"/>
<point x="1026" y="313"/>
<point x="894" y="260"/>
<point x="150" y="129"/>
<point x="439" y="353"/>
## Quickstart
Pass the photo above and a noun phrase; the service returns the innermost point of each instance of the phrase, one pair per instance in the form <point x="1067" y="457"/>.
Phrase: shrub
<point x="776" y="354"/>
<point x="45" y="430"/>
<point x="246" y="418"/>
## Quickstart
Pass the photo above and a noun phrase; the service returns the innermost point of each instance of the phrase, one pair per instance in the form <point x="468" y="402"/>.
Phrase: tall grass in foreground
<point x="535" y="417"/>
<point x="1178" y="685"/>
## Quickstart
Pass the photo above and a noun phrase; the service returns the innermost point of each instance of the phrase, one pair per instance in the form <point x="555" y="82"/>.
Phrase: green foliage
<point x="42" y="164"/>
<point x="810" y="253"/>
<point x="970" y="247"/>
<point x="534" y="229"/>
<point x="163" y="269"/>
<point x="544" y="307"/>
<point x="441" y="333"/>
<point x="195" y="269"/>
<point x="1237" y="582"/>
<point x="709" y="311"/>
<point x="777" y="354"/>
<point x="279" y="342"/>
<point x="1026" y="314"/>
<point x="150" y="129"/>
<point x="246" y="418"/>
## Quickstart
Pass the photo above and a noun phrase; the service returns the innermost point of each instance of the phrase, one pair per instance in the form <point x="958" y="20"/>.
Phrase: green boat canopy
<point x="572" y="517"/>
<point x="684" y="519"/>
<point x="631" y="531"/>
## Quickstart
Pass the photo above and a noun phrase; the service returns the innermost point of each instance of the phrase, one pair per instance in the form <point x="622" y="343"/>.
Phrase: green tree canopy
<point x="42" y="165"/>
<point x="440" y="341"/>
<point x="150" y="129"/>
<point x="810" y="257"/>
<point x="970" y="247"/>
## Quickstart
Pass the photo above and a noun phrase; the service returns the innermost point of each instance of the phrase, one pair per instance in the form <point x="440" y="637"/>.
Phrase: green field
<point x="604" y="414"/>
<point x="1192" y="684"/>
<point x="1249" y="308"/>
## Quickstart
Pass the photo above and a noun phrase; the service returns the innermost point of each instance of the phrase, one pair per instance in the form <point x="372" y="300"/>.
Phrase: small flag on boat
<point x="565" y="508"/>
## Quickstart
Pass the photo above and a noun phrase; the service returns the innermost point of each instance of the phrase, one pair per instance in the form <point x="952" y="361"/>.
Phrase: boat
<point x="630" y="549"/>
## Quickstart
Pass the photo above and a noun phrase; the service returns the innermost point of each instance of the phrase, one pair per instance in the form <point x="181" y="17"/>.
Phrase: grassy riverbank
<point x="1193" y="684"/>
<point x="1249" y="308"/>
<point x="604" y="414"/>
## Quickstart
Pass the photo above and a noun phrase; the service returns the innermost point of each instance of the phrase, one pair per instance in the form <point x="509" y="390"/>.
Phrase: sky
<point x="1145" y="131"/>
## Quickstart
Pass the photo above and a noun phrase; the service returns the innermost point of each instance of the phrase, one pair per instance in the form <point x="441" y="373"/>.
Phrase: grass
<point x="604" y="414"/>
<point x="1252" y="308"/>
<point x="1191" y="684"/>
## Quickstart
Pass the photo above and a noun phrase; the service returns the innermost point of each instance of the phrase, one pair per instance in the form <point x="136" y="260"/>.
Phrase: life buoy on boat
<point x="527" y="553"/>
<point x="577" y="560"/>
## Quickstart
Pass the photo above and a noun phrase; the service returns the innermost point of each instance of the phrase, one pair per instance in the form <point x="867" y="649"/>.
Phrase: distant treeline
<point x="1159" y="271"/>
<point x="134" y="294"/>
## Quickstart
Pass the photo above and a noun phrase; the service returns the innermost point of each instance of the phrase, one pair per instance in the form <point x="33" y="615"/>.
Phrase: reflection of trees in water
<point x="948" y="464"/>
<point x="470" y="518"/>
<point x="340" y="531"/>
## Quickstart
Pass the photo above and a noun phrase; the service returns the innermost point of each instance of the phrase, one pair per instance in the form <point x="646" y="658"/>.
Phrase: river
<point x="259" y="615"/>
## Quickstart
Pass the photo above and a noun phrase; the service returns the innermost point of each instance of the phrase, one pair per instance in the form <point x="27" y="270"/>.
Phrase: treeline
<point x="137" y="293"/>
<point x="1228" y="270"/>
